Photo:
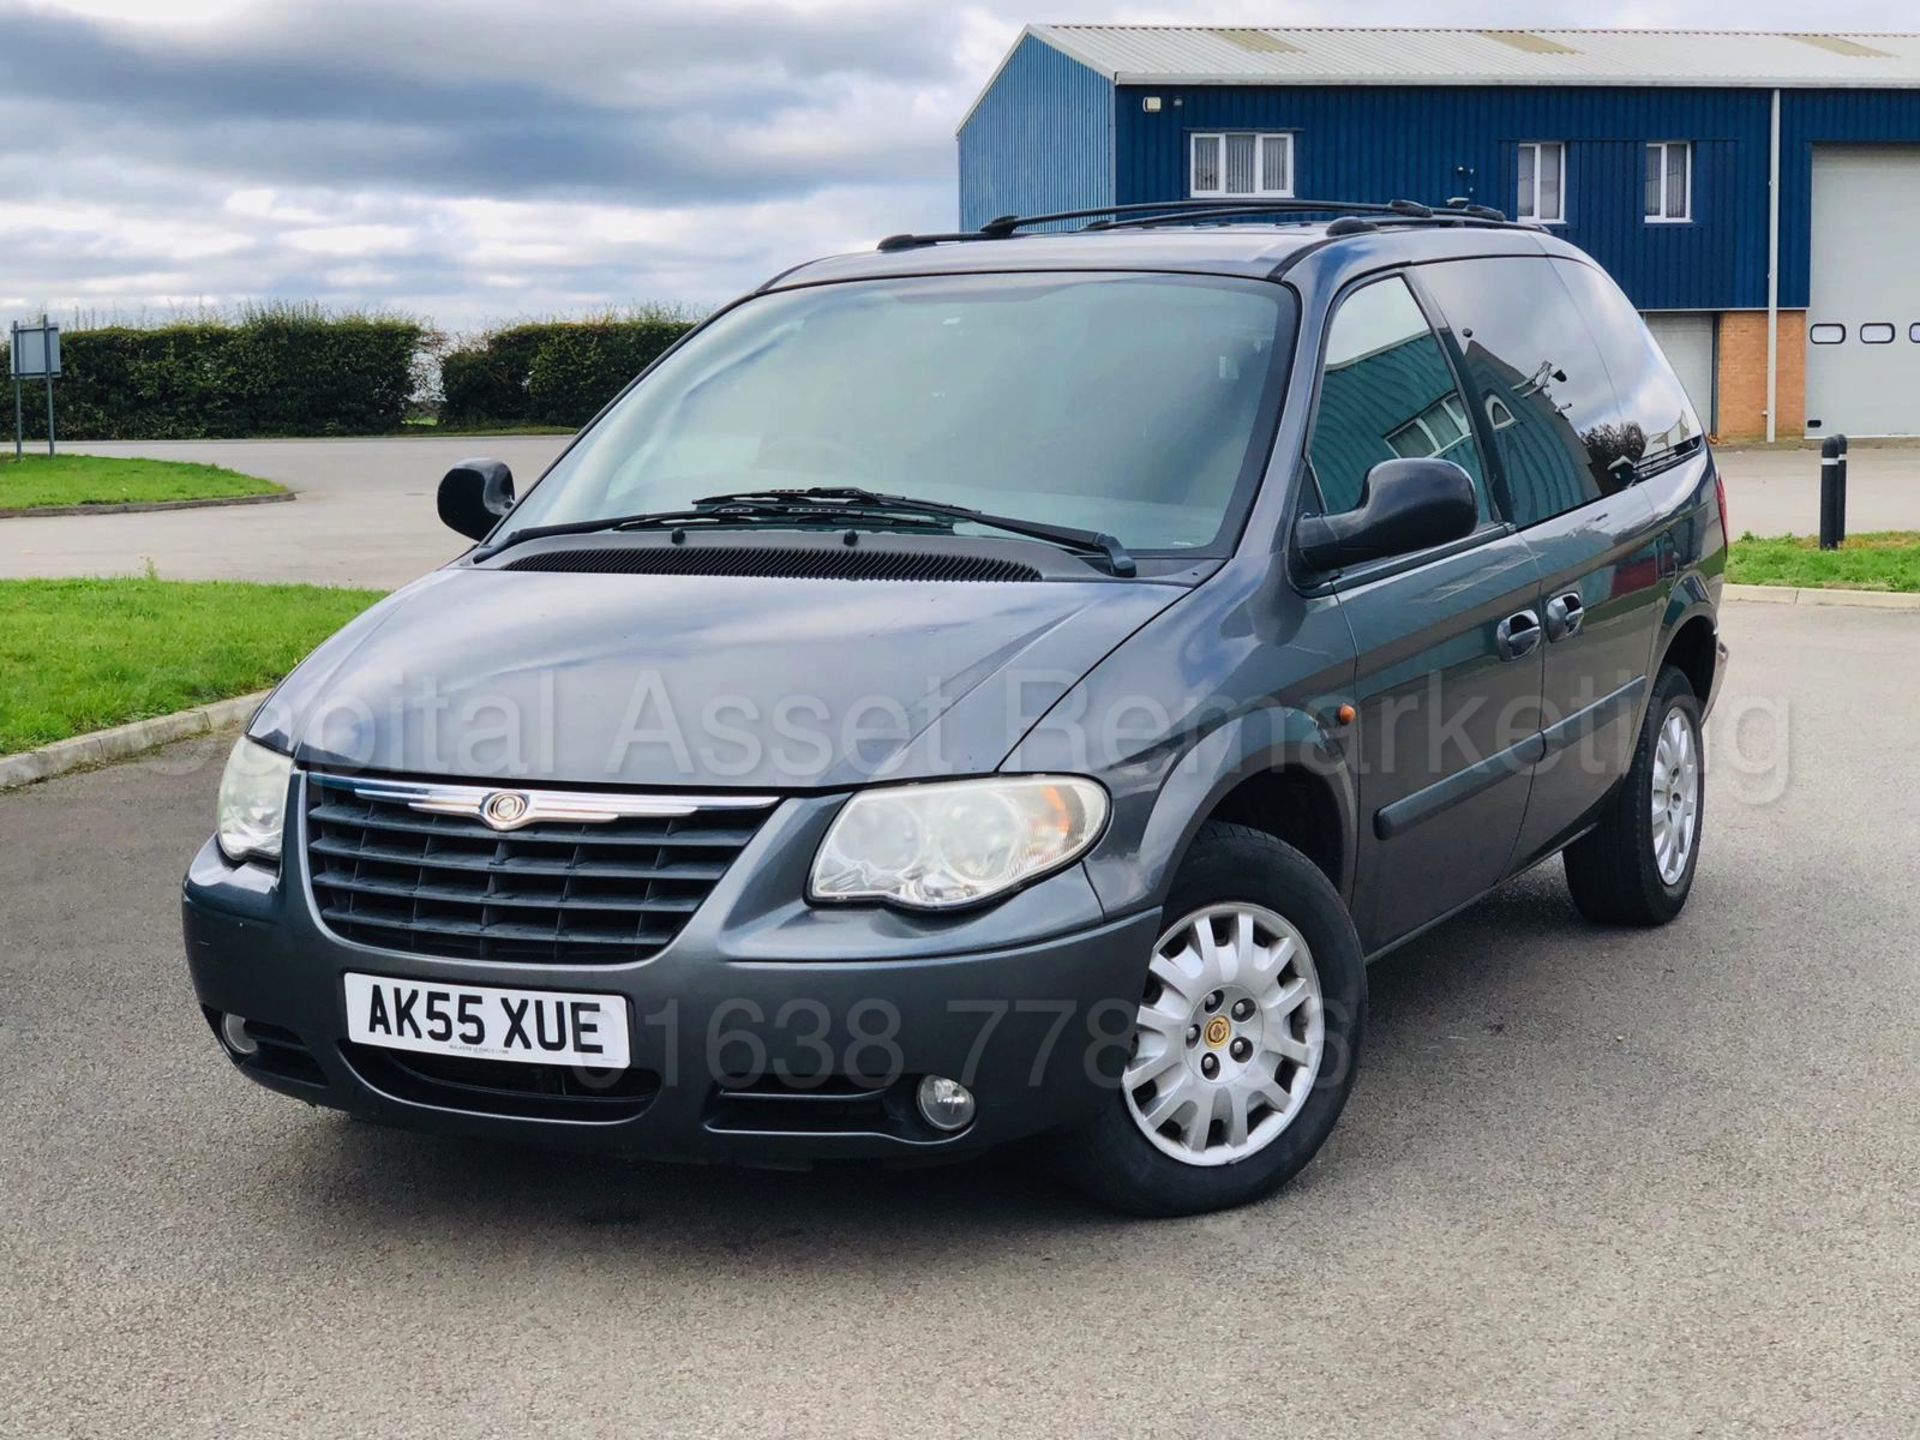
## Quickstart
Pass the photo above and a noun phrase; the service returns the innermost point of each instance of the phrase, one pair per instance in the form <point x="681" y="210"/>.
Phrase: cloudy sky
<point x="475" y="160"/>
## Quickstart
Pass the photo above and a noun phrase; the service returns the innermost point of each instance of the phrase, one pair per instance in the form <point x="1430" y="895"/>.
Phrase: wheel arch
<point x="1275" y="770"/>
<point x="1295" y="804"/>
<point x="1691" y="644"/>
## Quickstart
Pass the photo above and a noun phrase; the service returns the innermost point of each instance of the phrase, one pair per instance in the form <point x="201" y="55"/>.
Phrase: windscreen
<point x="1132" y="404"/>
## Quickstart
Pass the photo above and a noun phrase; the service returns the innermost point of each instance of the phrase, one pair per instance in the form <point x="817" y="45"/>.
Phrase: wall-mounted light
<point x="1151" y="104"/>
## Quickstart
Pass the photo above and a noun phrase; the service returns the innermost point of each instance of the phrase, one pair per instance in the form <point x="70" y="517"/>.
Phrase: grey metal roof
<point x="1215" y="55"/>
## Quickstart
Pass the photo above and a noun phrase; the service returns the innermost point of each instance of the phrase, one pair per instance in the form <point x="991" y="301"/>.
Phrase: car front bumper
<point x="773" y="1036"/>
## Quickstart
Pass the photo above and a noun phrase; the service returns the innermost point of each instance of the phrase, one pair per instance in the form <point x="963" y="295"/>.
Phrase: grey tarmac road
<point x="365" y="512"/>
<point x="1590" y="1181"/>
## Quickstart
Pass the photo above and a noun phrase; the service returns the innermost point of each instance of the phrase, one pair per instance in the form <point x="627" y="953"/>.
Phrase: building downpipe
<point x="1773" y="269"/>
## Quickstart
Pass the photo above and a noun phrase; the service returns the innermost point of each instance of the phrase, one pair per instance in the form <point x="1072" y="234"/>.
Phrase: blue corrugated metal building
<point x="1653" y="151"/>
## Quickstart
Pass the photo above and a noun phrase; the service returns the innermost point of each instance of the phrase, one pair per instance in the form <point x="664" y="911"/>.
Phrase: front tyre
<point x="1246" y="1037"/>
<point x="1636" y="866"/>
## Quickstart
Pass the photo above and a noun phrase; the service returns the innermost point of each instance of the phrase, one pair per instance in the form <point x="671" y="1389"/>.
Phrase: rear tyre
<point x="1636" y="866"/>
<point x="1245" y="1041"/>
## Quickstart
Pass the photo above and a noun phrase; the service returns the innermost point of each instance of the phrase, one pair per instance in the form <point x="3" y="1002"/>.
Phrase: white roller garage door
<point x="1688" y="343"/>
<point x="1863" y="323"/>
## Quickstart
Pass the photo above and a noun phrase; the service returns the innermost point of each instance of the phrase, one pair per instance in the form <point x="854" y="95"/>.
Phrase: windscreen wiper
<point x="828" y="505"/>
<point x="743" y="508"/>
<point x="856" y="499"/>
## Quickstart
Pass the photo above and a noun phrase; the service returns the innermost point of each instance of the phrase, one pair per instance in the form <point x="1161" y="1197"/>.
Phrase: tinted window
<point x="1386" y="392"/>
<point x="1557" y="429"/>
<point x="1132" y="404"/>
<point x="1653" y="404"/>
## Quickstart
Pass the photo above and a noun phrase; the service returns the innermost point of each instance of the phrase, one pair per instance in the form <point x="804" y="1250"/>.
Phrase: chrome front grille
<point x="413" y="866"/>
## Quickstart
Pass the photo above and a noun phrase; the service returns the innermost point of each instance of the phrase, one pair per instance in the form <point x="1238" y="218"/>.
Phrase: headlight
<point x="932" y="847"/>
<point x="253" y="801"/>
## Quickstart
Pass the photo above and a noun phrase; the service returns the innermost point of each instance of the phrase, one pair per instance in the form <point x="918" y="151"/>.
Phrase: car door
<point x="1660" y="450"/>
<point x="1449" y="643"/>
<point x="1567" y="456"/>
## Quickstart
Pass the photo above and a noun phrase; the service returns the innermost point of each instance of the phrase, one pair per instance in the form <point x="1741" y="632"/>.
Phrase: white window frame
<point x="1261" y="139"/>
<point x="1666" y="149"/>
<point x="1456" y="411"/>
<point x="1531" y="210"/>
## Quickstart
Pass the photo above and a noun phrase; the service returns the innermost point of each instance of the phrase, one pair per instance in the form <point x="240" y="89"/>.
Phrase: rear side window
<point x="1660" y="420"/>
<point x="1386" y="392"/>
<point x="1557" y="429"/>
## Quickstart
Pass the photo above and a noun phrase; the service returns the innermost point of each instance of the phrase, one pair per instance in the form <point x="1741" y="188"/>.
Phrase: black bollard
<point x="1840" y="500"/>
<point x="1833" y="463"/>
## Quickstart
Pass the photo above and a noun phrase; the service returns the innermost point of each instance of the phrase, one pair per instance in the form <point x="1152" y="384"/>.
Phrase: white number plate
<point x="537" y="1027"/>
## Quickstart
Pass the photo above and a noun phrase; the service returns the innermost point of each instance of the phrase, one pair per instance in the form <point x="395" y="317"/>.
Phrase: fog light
<point x="945" y="1104"/>
<point x="233" y="1030"/>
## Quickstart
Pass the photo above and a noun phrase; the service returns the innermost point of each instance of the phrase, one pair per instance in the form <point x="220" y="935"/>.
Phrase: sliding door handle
<point x="1518" y="635"/>
<point x="1564" y="614"/>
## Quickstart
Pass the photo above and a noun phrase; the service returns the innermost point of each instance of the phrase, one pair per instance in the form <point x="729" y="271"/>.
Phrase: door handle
<point x="1518" y="635"/>
<point x="1668" y="551"/>
<point x="1564" y="615"/>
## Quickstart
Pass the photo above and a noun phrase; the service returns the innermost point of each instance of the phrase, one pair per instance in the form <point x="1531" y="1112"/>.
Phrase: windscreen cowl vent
<point x="841" y="563"/>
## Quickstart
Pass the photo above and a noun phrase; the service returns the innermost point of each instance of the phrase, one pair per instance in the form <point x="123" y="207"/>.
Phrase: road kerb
<point x="140" y="507"/>
<point x="122" y="741"/>
<point x="1787" y="595"/>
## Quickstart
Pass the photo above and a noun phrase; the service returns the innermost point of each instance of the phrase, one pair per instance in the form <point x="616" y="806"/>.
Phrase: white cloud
<point x="269" y="204"/>
<point x="350" y="240"/>
<point x="156" y="13"/>
<point x="361" y="277"/>
<point x="82" y="230"/>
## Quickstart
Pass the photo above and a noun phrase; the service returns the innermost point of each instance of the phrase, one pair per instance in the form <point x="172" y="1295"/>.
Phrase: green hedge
<point x="553" y="373"/>
<point x="279" y="371"/>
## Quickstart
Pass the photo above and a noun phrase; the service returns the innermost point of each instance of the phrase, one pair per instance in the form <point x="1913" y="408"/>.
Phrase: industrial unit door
<point x="1688" y="343"/>
<point x="1863" y="325"/>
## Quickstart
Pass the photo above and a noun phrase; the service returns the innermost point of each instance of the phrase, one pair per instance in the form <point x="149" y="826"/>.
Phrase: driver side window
<point x="1386" y="392"/>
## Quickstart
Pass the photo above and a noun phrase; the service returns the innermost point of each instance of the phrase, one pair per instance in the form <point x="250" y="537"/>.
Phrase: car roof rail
<point x="1145" y="214"/>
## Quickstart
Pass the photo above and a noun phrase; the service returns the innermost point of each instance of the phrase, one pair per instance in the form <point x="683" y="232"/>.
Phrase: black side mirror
<point x="1405" y="505"/>
<point x="474" y="495"/>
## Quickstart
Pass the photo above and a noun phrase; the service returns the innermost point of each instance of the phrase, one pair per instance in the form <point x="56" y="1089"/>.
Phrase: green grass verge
<point x="82" y="655"/>
<point x="1880" y="560"/>
<point x="62" y="480"/>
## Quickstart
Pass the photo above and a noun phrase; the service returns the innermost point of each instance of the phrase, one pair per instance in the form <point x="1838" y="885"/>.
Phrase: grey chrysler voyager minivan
<point x="1003" y="685"/>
